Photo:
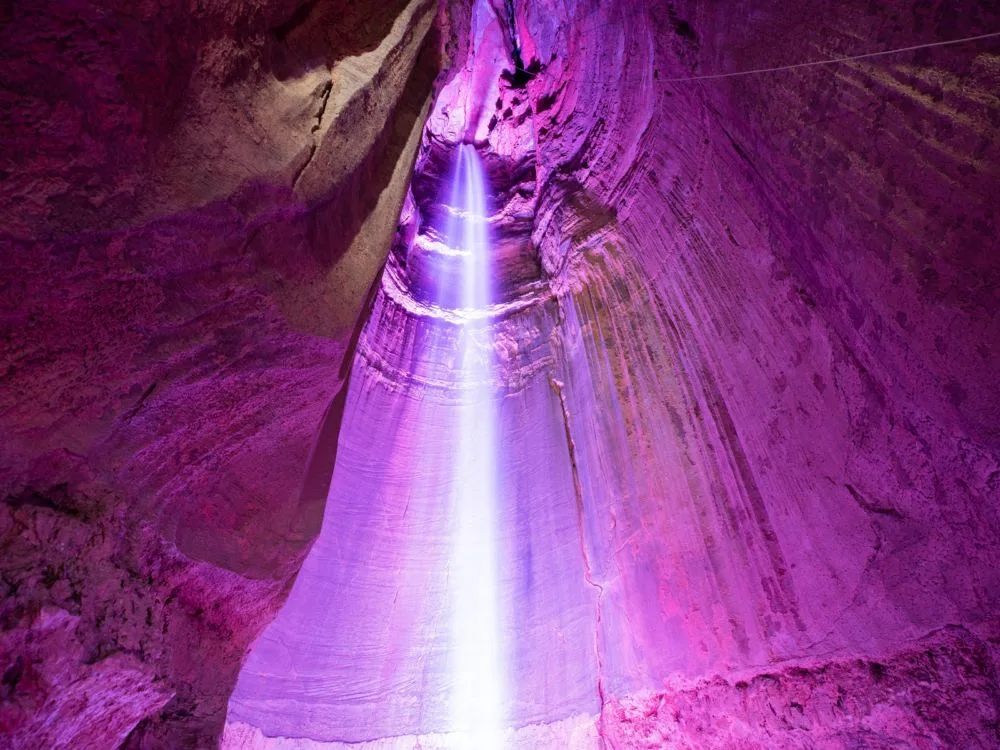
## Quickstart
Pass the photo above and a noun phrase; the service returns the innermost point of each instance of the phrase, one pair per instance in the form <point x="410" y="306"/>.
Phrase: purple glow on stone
<point x="400" y="621"/>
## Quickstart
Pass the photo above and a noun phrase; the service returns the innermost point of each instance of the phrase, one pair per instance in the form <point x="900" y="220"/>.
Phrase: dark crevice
<point x="508" y="18"/>
<point x="324" y="98"/>
<point x="12" y="675"/>
<point x="558" y="388"/>
<point x="299" y="17"/>
<point x="55" y="498"/>
<point x="521" y="75"/>
<point x="682" y="27"/>
<point x="866" y="504"/>
<point x="130" y="414"/>
<point x="308" y="160"/>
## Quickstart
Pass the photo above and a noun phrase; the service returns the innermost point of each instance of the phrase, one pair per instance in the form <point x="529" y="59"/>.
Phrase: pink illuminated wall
<point x="583" y="374"/>
<point x="705" y="473"/>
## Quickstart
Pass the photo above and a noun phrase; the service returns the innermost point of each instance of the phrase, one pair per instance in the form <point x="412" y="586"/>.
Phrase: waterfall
<point x="477" y="669"/>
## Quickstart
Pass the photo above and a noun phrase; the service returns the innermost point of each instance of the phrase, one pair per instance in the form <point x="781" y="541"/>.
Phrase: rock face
<point x="940" y="691"/>
<point x="750" y="449"/>
<point x="745" y="330"/>
<point x="195" y="202"/>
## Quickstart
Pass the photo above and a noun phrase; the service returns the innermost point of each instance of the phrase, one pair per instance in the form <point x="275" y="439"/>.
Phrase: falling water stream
<point x="478" y="674"/>
<point x="399" y="624"/>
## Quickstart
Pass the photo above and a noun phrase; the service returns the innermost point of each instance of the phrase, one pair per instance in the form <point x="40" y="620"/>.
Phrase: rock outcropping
<point x="746" y="326"/>
<point x="195" y="200"/>
<point x="750" y="450"/>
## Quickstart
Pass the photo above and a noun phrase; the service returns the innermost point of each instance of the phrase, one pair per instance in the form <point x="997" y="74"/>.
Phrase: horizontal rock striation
<point x="939" y="691"/>
<point x="743" y="334"/>
<point x="778" y="417"/>
<point x="749" y="446"/>
<point x="195" y="204"/>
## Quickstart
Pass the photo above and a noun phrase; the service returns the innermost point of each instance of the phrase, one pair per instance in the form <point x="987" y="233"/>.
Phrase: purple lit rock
<point x="195" y="203"/>
<point x="745" y="332"/>
<point x="725" y="451"/>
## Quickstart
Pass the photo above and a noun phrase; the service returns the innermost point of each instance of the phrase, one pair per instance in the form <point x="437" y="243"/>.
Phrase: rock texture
<point x="816" y="487"/>
<point x="747" y="327"/>
<point x="195" y="201"/>
<point x="938" y="692"/>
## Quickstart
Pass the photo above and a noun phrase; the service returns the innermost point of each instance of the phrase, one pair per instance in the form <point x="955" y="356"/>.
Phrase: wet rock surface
<point x="195" y="202"/>
<point x="746" y="328"/>
<point x="729" y="446"/>
<point x="939" y="692"/>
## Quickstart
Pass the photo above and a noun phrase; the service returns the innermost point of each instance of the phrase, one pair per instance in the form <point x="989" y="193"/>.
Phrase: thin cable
<point x="834" y="60"/>
<point x="831" y="61"/>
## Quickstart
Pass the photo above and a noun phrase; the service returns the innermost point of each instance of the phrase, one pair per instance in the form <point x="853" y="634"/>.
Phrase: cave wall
<point x="744" y="330"/>
<point x="747" y="336"/>
<point x="196" y="200"/>
<point x="781" y="299"/>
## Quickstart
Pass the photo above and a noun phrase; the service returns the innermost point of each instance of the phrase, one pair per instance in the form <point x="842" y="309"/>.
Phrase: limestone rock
<point x="195" y="201"/>
<point x="743" y="327"/>
<point x="746" y="337"/>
